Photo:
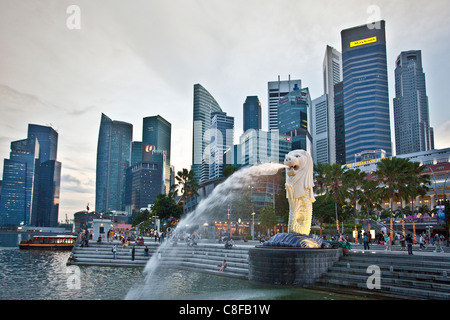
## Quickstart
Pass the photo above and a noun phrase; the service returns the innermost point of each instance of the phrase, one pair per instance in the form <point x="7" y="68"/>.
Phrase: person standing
<point x="437" y="243"/>
<point x="388" y="242"/>
<point x="114" y="251"/>
<point x="133" y="251"/>
<point x="409" y="243"/>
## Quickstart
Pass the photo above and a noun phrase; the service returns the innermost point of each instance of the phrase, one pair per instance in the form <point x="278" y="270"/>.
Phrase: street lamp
<point x="253" y="225"/>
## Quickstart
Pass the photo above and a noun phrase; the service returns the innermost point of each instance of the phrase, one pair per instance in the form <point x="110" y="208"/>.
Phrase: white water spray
<point x="220" y="196"/>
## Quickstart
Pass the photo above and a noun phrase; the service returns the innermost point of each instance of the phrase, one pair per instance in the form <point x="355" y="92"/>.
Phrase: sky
<point x="133" y="59"/>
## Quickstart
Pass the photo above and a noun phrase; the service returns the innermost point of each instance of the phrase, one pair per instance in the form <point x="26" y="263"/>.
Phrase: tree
<point x="330" y="177"/>
<point x="165" y="207"/>
<point x="267" y="217"/>
<point x="228" y="171"/>
<point x="142" y="216"/>
<point x="352" y="182"/>
<point x="187" y="183"/>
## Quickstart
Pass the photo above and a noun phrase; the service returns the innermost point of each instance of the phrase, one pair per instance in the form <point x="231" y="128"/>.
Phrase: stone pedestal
<point x="290" y="266"/>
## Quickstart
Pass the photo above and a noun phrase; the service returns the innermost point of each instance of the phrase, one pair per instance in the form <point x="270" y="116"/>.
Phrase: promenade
<point x="423" y="275"/>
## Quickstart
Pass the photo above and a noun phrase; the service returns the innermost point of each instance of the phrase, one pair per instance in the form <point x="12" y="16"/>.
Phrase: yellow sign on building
<point x="363" y="42"/>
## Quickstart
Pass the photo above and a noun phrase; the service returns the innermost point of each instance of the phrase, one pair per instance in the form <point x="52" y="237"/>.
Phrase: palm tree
<point x="353" y="181"/>
<point x="187" y="182"/>
<point x="370" y="196"/>
<point x="392" y="174"/>
<point x="330" y="177"/>
<point x="417" y="184"/>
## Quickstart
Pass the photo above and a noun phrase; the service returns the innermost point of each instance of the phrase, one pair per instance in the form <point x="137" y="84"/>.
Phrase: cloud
<point x="442" y="136"/>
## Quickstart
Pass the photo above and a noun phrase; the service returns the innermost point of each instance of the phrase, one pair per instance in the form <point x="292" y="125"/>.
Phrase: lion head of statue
<point x="299" y="171"/>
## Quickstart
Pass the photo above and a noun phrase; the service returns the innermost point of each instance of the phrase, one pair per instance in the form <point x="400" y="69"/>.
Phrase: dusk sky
<point x="133" y="59"/>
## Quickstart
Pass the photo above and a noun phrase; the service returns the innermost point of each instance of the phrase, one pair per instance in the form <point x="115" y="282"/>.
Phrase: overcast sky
<point x="133" y="59"/>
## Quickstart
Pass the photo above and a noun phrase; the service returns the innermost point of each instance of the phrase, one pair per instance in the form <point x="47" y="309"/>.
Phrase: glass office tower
<point x="204" y="105"/>
<point x="18" y="185"/>
<point x="113" y="159"/>
<point x="252" y="113"/>
<point x="365" y="87"/>
<point x="48" y="176"/>
<point x="222" y="133"/>
<point x="156" y="132"/>
<point x="294" y="118"/>
<point x="411" y="113"/>
<point x="275" y="91"/>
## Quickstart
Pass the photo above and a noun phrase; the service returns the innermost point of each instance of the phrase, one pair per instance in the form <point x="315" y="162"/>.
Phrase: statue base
<point x="296" y="240"/>
<point x="291" y="259"/>
<point x="290" y="266"/>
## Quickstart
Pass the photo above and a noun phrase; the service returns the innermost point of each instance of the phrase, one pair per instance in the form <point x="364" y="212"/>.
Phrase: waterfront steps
<point x="203" y="257"/>
<point x="402" y="276"/>
<point x="416" y="248"/>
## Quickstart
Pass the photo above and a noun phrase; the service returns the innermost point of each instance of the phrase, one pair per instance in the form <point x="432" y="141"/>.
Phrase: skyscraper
<point x="31" y="180"/>
<point x="113" y="158"/>
<point x="365" y="87"/>
<point x="252" y="113"/>
<point x="294" y="118"/>
<point x="144" y="181"/>
<point x="411" y="114"/>
<point x="332" y="74"/>
<point x="204" y="105"/>
<point x="156" y="132"/>
<point x="322" y="143"/>
<point x="275" y="91"/>
<point x="48" y="176"/>
<point x="339" y="122"/>
<point x="222" y="133"/>
<point x="18" y="186"/>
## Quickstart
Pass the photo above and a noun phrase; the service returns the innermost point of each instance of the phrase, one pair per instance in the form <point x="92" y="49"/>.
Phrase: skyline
<point x="142" y="59"/>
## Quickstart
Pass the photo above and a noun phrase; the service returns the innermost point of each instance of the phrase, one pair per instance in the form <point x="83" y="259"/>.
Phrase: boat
<point x="60" y="242"/>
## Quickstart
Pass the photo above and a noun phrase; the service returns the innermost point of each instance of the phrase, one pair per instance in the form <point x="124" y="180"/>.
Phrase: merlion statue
<point x="299" y="190"/>
<point x="300" y="195"/>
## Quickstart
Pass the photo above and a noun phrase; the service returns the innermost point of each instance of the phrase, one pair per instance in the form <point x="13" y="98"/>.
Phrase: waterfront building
<point x="204" y="105"/>
<point x="332" y="74"/>
<point x="31" y="180"/>
<point x="437" y="163"/>
<point x="252" y="113"/>
<point x="365" y="87"/>
<point x="275" y="91"/>
<point x="113" y="158"/>
<point x="156" y="132"/>
<point x="18" y="187"/>
<point x="294" y="118"/>
<point x="48" y="177"/>
<point x="221" y="138"/>
<point x="411" y="114"/>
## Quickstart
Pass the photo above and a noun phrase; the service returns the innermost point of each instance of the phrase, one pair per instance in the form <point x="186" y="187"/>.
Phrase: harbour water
<point x="41" y="274"/>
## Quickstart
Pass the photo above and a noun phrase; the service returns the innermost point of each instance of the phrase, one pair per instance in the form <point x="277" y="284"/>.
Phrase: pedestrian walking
<point x="133" y="251"/>
<point x="422" y="242"/>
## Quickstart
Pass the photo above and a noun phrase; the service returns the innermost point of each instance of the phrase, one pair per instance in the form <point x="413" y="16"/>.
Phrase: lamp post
<point x="253" y="225"/>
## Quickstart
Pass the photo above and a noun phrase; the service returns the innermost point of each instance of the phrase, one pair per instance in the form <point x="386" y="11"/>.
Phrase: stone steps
<point x="200" y="258"/>
<point x="424" y="277"/>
